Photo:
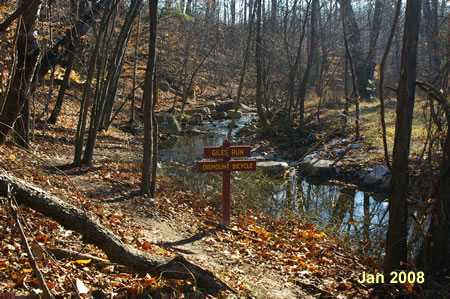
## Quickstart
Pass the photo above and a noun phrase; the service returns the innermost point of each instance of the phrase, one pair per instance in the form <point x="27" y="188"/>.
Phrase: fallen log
<point x="93" y="232"/>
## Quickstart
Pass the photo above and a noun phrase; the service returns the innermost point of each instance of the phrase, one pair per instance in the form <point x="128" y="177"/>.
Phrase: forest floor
<point x="257" y="256"/>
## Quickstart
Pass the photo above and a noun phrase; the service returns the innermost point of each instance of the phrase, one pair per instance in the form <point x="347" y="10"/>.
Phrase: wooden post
<point x="226" y="197"/>
<point x="226" y="151"/>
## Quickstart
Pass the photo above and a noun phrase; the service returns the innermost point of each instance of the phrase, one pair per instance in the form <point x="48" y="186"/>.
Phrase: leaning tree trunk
<point x="62" y="89"/>
<point x="115" y="68"/>
<point x="84" y="108"/>
<point x="77" y="9"/>
<point x="27" y="58"/>
<point x="85" y="101"/>
<point x="95" y="233"/>
<point x="98" y="105"/>
<point x="59" y="50"/>
<point x="396" y="249"/>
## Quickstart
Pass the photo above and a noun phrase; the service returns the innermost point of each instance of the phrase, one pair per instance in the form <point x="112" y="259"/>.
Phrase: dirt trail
<point x="181" y="234"/>
<point x="261" y="281"/>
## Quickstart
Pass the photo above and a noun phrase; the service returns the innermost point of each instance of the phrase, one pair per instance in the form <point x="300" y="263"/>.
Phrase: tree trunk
<point x="273" y="14"/>
<point x="311" y="59"/>
<point x="189" y="7"/>
<point x="62" y="90"/>
<point x="77" y="8"/>
<point x="354" y="43"/>
<point x="154" y="136"/>
<point x="431" y="37"/>
<point x="355" y="92"/>
<point x="27" y="57"/>
<point x="148" y="101"/>
<point x="136" y="54"/>
<point x="434" y="256"/>
<point x="233" y="12"/>
<point x="95" y="233"/>
<point x="346" y="92"/>
<point x="98" y="106"/>
<point x="21" y="133"/>
<point x="396" y="249"/>
<point x="258" y="57"/>
<point x="115" y="67"/>
<point x="84" y="108"/>
<point x="365" y="88"/>
<point x="243" y="70"/>
<point x="249" y="12"/>
<point x="294" y="68"/>
<point x="436" y="246"/>
<point x="381" y="83"/>
<point x="244" y="4"/>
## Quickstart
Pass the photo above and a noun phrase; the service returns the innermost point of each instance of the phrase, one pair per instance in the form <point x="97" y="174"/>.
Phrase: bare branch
<point x="16" y="14"/>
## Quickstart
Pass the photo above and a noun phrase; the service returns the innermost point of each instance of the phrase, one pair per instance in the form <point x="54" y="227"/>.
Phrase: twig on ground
<point x="37" y="271"/>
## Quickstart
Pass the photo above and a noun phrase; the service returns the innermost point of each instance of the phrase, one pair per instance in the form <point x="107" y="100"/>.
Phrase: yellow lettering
<point x="219" y="152"/>
<point x="244" y="165"/>
<point x="207" y="167"/>
<point x="237" y="151"/>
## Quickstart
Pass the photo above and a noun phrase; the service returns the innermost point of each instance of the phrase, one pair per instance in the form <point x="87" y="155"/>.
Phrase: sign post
<point x="226" y="165"/>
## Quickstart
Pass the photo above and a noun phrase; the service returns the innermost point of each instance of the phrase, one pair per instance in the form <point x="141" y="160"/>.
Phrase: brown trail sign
<point x="226" y="151"/>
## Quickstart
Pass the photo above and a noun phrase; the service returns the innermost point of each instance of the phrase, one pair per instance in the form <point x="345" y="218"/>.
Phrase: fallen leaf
<point x="81" y="262"/>
<point x="82" y="289"/>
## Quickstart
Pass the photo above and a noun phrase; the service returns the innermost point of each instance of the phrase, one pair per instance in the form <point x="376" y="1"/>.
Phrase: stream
<point x="347" y="213"/>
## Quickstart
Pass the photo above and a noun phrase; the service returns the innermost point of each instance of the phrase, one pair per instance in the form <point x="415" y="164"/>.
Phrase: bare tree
<point x="115" y="67"/>
<point x="311" y="58"/>
<point x="381" y="82"/>
<point x="434" y="255"/>
<point x="258" y="56"/>
<point x="148" y="101"/>
<point x="136" y="55"/>
<point x="85" y="101"/>
<point x="77" y="8"/>
<point x="396" y="249"/>
<point x="27" y="58"/>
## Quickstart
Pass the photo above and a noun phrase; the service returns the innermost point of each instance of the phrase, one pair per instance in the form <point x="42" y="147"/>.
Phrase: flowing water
<point x="344" y="211"/>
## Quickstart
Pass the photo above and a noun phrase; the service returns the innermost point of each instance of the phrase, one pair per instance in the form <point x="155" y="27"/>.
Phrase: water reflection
<point x="344" y="210"/>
